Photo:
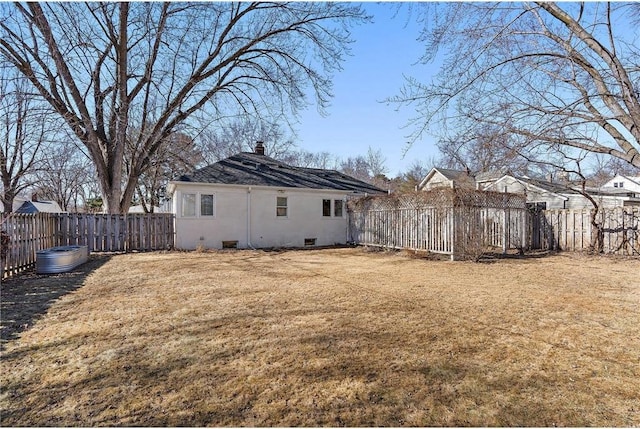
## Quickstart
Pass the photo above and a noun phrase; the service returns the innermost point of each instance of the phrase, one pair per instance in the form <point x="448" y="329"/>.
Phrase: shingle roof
<point x="487" y="176"/>
<point x="251" y="169"/>
<point x="571" y="188"/>
<point x="557" y="188"/>
<point x="39" y="207"/>
<point x="452" y="174"/>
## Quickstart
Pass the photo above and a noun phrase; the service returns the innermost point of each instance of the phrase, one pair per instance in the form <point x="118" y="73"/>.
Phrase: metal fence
<point x="28" y="233"/>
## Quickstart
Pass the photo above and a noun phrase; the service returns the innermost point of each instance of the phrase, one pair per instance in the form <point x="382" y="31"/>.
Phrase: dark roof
<point x="487" y="176"/>
<point x="483" y="176"/>
<point x="452" y="174"/>
<point x="557" y="188"/>
<point x="29" y="207"/>
<point x="251" y="169"/>
<point x="572" y="188"/>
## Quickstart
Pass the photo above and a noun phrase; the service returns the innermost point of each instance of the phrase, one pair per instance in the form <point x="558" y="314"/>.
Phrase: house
<point x="624" y="183"/>
<point x="621" y="191"/>
<point x="140" y="209"/>
<point x="446" y="178"/>
<point x="545" y="194"/>
<point x="39" y="207"/>
<point x="250" y="200"/>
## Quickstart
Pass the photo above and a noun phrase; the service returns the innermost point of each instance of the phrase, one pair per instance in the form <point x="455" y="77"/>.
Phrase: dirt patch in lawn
<point x="337" y="337"/>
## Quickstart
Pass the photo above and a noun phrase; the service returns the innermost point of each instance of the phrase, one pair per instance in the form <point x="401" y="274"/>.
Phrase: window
<point x="188" y="205"/>
<point x="537" y="207"/>
<point x="281" y="206"/>
<point x="621" y="184"/>
<point x="231" y="244"/>
<point x="337" y="208"/>
<point x="326" y="207"/>
<point x="198" y="205"/>
<point x="206" y="205"/>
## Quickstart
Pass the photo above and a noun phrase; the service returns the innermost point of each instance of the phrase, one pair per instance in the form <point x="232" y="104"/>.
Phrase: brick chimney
<point x="259" y="148"/>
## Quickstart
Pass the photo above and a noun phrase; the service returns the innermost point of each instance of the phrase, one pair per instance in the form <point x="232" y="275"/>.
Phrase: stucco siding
<point x="304" y="218"/>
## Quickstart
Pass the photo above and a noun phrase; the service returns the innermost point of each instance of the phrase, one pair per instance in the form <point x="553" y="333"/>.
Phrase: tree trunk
<point x="7" y="199"/>
<point x="110" y="189"/>
<point x="597" y="234"/>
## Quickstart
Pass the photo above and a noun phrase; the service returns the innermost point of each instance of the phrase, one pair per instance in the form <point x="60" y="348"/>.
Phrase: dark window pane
<point x="326" y="207"/>
<point x="206" y="205"/>
<point x="337" y="208"/>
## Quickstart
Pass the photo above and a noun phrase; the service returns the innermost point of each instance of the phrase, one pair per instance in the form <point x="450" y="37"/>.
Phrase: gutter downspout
<point x="249" y="245"/>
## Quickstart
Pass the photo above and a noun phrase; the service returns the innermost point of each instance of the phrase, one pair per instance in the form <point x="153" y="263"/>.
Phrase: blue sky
<point x="383" y="52"/>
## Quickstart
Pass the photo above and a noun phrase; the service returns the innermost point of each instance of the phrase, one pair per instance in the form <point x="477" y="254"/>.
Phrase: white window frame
<point x="332" y="208"/>
<point x="197" y="205"/>
<point x="285" y="207"/>
<point x="184" y="203"/>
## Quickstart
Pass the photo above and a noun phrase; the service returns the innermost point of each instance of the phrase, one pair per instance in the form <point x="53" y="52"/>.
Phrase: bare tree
<point x="25" y="126"/>
<point x="370" y="168"/>
<point x="481" y="150"/>
<point x="65" y="175"/>
<point x="176" y="155"/>
<point x="356" y="167"/>
<point x="545" y="74"/>
<point x="411" y="178"/>
<point x="241" y="134"/>
<point x="304" y="158"/>
<point x="607" y="167"/>
<point x="99" y="64"/>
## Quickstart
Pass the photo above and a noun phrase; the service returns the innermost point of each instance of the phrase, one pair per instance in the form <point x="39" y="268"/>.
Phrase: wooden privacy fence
<point x="28" y="233"/>
<point x="571" y="230"/>
<point x="460" y="223"/>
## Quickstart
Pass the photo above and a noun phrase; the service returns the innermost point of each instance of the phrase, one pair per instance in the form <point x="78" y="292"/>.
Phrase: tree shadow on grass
<point x="27" y="297"/>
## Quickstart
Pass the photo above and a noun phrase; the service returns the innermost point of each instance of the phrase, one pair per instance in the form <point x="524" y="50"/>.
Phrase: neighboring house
<point x="140" y="209"/>
<point x="39" y="207"/>
<point x="623" y="183"/>
<point x="446" y="178"/>
<point x="621" y="191"/>
<point x="541" y="193"/>
<point x="551" y="195"/>
<point x="253" y="201"/>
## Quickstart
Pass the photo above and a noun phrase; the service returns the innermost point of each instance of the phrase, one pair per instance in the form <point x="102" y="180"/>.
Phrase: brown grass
<point x="332" y="338"/>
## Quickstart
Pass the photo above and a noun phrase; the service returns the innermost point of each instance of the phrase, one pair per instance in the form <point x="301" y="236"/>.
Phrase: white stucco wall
<point x="233" y="204"/>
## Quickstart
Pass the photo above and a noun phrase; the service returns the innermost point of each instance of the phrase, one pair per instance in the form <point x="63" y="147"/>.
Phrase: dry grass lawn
<point x="337" y="337"/>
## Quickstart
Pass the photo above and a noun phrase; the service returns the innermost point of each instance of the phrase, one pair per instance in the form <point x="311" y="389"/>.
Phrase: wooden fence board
<point x="445" y="230"/>
<point x="442" y="229"/>
<point x="571" y="230"/>
<point x="30" y="233"/>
